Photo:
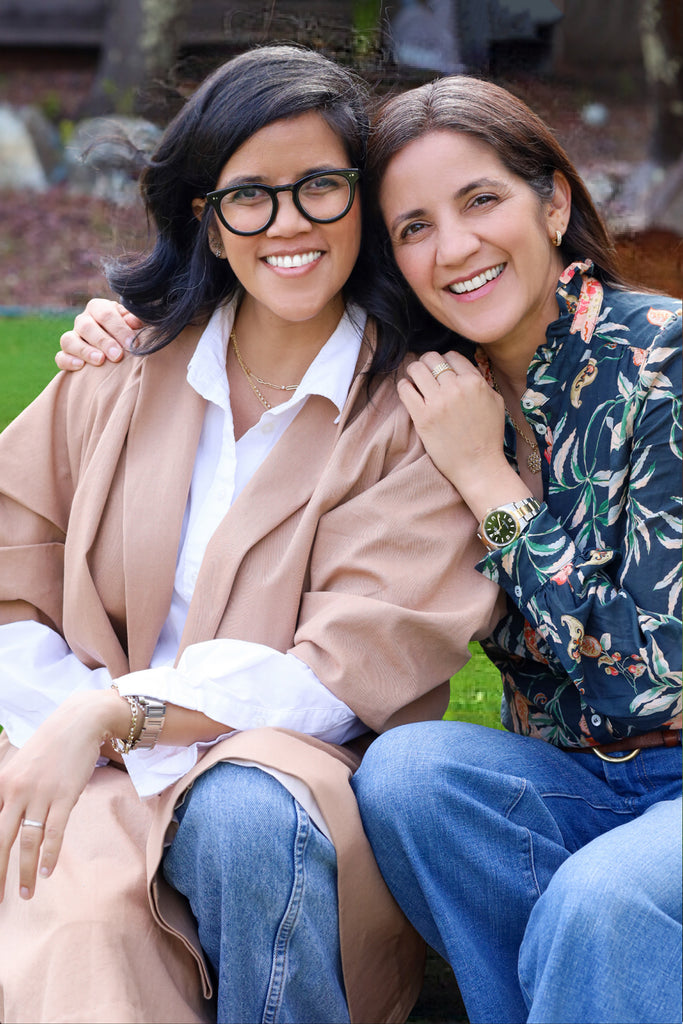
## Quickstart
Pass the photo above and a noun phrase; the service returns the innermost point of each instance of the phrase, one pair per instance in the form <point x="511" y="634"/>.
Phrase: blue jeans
<point x="261" y="880"/>
<point x="550" y="881"/>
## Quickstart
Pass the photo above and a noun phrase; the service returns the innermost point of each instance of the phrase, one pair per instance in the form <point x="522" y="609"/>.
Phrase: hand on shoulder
<point x="104" y="330"/>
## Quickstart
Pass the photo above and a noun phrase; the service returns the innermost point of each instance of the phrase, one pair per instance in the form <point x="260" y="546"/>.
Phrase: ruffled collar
<point x="579" y="299"/>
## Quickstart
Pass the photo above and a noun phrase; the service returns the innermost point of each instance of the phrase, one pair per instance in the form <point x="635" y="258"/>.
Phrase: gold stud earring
<point x="557" y="240"/>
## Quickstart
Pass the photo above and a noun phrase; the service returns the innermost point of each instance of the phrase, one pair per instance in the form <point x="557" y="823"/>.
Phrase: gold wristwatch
<point x="501" y="525"/>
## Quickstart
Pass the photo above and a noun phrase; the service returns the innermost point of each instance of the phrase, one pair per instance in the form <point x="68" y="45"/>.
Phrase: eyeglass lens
<point x="322" y="198"/>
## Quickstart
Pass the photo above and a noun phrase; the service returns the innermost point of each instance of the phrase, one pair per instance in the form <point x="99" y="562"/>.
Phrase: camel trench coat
<point x="347" y="548"/>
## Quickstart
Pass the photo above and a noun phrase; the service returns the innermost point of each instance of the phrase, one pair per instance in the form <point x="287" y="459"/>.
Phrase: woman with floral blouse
<point x="542" y="861"/>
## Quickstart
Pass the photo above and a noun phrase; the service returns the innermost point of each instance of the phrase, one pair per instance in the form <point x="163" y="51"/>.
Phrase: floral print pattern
<point x="590" y="650"/>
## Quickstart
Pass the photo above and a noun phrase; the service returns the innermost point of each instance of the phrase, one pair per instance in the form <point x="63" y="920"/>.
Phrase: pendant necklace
<point x="533" y="459"/>
<point x="254" y="380"/>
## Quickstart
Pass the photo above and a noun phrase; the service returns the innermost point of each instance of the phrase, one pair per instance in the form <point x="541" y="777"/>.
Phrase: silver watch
<point x="153" y="722"/>
<point x="500" y="526"/>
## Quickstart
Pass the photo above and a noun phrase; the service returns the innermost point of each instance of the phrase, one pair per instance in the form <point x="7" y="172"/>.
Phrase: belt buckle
<point x="616" y="760"/>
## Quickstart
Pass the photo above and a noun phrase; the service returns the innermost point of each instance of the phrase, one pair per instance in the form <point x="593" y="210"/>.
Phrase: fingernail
<point x="24" y="893"/>
<point x="97" y="357"/>
<point x="114" y="352"/>
<point x="76" y="362"/>
<point x="44" y="872"/>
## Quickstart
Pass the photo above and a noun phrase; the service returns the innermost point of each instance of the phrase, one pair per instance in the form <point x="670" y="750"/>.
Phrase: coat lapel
<point x="161" y="448"/>
<point x="283" y="484"/>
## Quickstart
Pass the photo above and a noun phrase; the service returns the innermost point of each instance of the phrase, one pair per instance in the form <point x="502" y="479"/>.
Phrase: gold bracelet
<point x="125" y="746"/>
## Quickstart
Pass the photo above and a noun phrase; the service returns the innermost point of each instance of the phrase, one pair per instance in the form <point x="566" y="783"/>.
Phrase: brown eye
<point x="484" y="200"/>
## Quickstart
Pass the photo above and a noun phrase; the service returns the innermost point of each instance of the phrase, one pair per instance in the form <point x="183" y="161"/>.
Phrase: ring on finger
<point x="441" y="368"/>
<point x="30" y="823"/>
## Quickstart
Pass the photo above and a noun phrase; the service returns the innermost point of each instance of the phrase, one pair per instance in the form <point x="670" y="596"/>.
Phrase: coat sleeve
<point x="36" y="489"/>
<point x="393" y="597"/>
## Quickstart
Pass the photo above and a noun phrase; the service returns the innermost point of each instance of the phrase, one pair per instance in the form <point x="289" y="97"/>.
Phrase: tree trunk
<point x="140" y="44"/>
<point x="662" y="42"/>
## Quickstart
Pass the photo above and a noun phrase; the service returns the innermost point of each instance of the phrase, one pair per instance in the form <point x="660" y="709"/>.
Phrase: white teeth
<point x="299" y="259"/>
<point x="477" y="281"/>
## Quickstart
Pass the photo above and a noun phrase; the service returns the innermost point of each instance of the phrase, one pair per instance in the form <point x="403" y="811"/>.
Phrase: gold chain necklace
<point x="252" y="378"/>
<point x="533" y="459"/>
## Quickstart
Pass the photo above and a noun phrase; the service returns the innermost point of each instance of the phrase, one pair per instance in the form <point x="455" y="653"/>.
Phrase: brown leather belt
<point x="657" y="738"/>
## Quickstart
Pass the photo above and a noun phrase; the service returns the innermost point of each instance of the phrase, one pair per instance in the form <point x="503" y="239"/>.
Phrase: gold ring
<point x="441" y="368"/>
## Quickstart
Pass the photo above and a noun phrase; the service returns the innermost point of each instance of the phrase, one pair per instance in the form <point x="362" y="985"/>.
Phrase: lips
<point x="298" y="259"/>
<point x="478" y="281"/>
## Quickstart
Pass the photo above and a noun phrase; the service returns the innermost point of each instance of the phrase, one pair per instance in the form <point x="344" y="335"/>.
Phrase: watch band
<point x="502" y="525"/>
<point x="154" y="716"/>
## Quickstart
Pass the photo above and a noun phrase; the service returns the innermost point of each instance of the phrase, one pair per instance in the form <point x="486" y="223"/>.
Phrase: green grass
<point x="27" y="350"/>
<point x="27" y="355"/>
<point x="476" y="691"/>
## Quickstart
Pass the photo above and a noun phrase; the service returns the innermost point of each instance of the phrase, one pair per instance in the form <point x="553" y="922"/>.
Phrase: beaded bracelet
<point x="125" y="746"/>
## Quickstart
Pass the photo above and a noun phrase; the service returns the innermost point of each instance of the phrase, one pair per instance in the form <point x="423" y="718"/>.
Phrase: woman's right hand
<point x="42" y="781"/>
<point x="104" y="330"/>
<point x="461" y="423"/>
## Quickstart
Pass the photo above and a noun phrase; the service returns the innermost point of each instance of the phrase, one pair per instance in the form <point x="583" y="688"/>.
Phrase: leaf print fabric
<point x="590" y="650"/>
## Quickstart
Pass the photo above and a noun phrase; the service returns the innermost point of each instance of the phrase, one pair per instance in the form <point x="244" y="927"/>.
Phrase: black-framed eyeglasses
<point x="322" y="197"/>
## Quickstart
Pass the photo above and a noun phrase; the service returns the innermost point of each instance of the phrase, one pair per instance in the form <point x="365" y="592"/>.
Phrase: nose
<point x="455" y="243"/>
<point x="289" y="221"/>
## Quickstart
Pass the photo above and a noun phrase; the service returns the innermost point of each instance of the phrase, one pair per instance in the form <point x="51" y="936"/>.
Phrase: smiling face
<point x="473" y="240"/>
<point x="294" y="271"/>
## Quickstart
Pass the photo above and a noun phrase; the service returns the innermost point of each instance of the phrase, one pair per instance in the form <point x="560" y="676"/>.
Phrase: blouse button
<point x="596" y="720"/>
<point x="540" y="429"/>
<point x="527" y="403"/>
<point x="518" y="591"/>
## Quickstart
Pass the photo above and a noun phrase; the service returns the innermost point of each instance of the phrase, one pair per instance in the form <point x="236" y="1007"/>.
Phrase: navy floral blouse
<point x="590" y="650"/>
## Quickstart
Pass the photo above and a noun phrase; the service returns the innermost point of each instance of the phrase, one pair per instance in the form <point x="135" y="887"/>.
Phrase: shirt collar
<point x="329" y="375"/>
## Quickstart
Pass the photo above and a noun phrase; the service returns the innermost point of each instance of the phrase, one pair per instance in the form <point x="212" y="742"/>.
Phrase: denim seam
<point x="513" y="804"/>
<point x="289" y="919"/>
<point x="589" y="803"/>
<point x="532" y="863"/>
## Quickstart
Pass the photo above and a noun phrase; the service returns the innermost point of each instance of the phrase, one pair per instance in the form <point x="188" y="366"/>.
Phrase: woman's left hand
<point x="461" y="422"/>
<point x="42" y="781"/>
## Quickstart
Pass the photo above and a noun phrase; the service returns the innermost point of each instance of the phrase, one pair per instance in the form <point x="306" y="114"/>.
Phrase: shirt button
<point x="518" y="591"/>
<point x="540" y="429"/>
<point x="596" y="720"/>
<point x="528" y="403"/>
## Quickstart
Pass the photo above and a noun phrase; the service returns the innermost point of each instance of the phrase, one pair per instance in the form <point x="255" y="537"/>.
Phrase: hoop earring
<point x="557" y="240"/>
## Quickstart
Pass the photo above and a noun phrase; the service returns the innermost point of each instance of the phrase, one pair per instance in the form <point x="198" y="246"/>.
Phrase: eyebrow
<point x="258" y="179"/>
<point x="472" y="186"/>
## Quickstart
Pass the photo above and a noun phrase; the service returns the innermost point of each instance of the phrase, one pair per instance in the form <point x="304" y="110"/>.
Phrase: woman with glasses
<point x="224" y="565"/>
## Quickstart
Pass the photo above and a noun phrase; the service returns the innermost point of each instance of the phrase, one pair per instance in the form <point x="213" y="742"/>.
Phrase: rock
<point x="20" y="166"/>
<point x="595" y="114"/>
<point x="106" y="154"/>
<point x="637" y="196"/>
<point x="47" y="142"/>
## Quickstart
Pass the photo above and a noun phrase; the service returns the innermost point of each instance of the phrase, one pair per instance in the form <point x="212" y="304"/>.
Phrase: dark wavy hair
<point x="180" y="281"/>
<point x="523" y="143"/>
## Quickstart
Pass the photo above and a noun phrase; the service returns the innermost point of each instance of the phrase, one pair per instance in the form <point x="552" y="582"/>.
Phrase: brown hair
<point x="521" y="140"/>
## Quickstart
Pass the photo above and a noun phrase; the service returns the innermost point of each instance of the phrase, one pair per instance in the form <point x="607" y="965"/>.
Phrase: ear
<point x="559" y="208"/>
<point x="215" y="244"/>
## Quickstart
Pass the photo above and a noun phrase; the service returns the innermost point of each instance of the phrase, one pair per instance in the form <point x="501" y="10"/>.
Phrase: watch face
<point x="500" y="527"/>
